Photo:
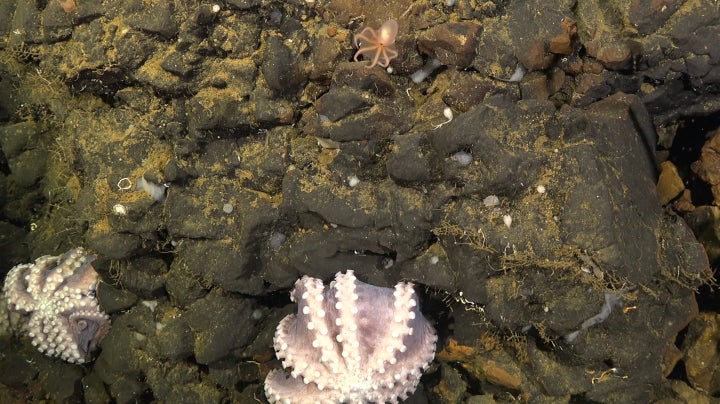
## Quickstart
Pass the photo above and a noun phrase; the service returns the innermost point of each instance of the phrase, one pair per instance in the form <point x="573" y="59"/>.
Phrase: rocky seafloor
<point x="579" y="166"/>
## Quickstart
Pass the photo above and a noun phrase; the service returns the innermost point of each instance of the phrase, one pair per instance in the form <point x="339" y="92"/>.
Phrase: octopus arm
<point x="281" y="387"/>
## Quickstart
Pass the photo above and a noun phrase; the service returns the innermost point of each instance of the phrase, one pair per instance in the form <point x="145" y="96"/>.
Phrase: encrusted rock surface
<point x="515" y="186"/>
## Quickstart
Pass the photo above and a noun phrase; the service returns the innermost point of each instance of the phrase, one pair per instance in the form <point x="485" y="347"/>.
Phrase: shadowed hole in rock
<point x="689" y="138"/>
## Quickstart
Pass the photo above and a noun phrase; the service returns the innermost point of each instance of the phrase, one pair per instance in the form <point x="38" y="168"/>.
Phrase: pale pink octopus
<point x="378" y="46"/>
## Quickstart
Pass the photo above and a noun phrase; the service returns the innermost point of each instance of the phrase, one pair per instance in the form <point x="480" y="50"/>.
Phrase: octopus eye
<point x="81" y="325"/>
<point x="85" y="330"/>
